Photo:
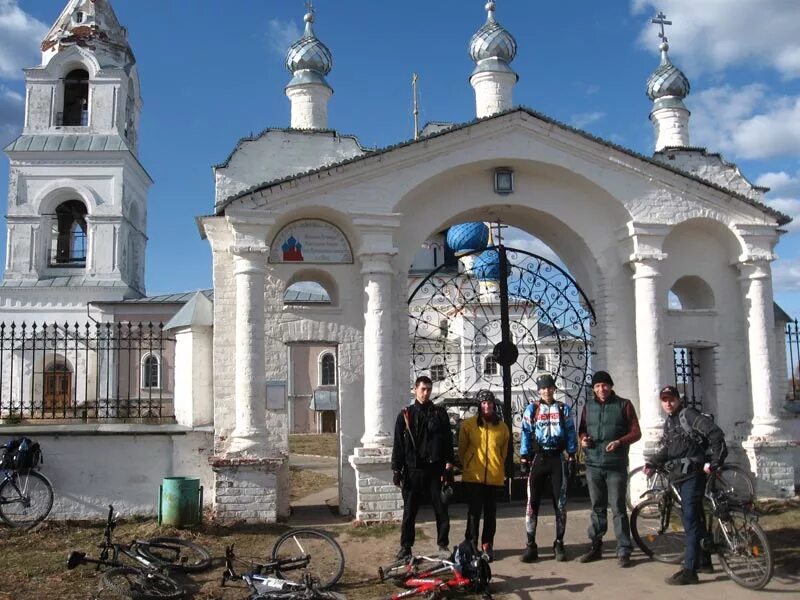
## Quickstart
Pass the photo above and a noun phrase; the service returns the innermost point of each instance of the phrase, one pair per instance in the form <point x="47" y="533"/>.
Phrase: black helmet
<point x="486" y="396"/>
<point x="545" y="381"/>
<point x="447" y="493"/>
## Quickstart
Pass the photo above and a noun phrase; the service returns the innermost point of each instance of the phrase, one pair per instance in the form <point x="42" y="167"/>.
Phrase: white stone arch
<point x="693" y="293"/>
<point x="317" y="275"/>
<point x="71" y="58"/>
<point x="336" y="218"/>
<point x="62" y="190"/>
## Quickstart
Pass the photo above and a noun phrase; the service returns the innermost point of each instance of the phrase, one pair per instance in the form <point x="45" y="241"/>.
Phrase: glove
<point x="524" y="466"/>
<point x="397" y="478"/>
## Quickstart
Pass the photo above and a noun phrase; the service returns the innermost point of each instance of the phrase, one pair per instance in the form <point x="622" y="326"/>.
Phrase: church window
<point x="490" y="365"/>
<point x="444" y="328"/>
<point x="76" y="100"/>
<point x="541" y="362"/>
<point x="327" y="369"/>
<point x="306" y="292"/>
<point x="151" y="371"/>
<point x="68" y="243"/>
<point x="437" y="373"/>
<point x="79" y="17"/>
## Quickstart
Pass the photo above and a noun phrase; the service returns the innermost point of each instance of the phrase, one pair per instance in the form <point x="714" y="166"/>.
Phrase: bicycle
<point x="156" y="557"/>
<point x="731" y="477"/>
<point x="26" y="496"/>
<point x="263" y="586"/>
<point x="434" y="577"/>
<point x="732" y="531"/>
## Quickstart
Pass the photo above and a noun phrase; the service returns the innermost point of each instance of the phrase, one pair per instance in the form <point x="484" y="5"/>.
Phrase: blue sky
<point x="212" y="72"/>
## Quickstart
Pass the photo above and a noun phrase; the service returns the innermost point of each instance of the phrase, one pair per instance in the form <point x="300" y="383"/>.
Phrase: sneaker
<point x="531" y="554"/>
<point x="594" y="553"/>
<point x="682" y="577"/>
<point x="624" y="561"/>
<point x="403" y="552"/>
<point x="706" y="569"/>
<point x="558" y="551"/>
<point x="444" y="552"/>
<point x="487" y="552"/>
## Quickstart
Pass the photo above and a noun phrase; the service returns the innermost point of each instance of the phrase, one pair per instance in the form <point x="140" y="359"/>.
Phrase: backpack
<point x="472" y="566"/>
<point x="689" y="429"/>
<point x="21" y="454"/>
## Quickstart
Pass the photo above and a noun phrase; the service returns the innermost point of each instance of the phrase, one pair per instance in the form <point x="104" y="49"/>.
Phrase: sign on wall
<point x="310" y="241"/>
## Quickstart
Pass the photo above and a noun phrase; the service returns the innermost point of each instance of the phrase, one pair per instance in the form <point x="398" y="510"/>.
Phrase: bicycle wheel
<point x="26" y="498"/>
<point x="747" y="557"/>
<point x="175" y="553"/>
<point x="141" y="585"/>
<point x="300" y="551"/>
<point x="639" y="483"/>
<point x="659" y="535"/>
<point x="733" y="481"/>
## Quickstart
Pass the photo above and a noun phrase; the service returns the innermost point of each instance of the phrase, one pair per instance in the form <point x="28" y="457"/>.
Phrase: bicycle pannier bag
<point x="22" y="453"/>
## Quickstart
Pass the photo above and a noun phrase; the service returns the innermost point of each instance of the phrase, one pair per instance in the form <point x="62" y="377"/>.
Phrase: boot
<point x="682" y="577"/>
<point x="531" y="554"/>
<point x="558" y="551"/>
<point x="594" y="553"/>
<point x="403" y="552"/>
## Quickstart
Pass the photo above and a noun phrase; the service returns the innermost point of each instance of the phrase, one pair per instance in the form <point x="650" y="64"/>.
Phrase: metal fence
<point x="95" y="371"/>
<point x="792" y="333"/>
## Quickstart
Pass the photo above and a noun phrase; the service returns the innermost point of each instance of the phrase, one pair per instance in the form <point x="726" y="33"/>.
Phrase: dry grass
<point x="305" y="482"/>
<point x="317" y="444"/>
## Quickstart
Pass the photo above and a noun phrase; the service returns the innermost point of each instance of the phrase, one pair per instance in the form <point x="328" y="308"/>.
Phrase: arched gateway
<point x="629" y="228"/>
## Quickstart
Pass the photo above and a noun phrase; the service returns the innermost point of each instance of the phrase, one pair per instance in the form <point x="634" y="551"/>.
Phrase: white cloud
<point x="281" y="35"/>
<point x="581" y="120"/>
<point x="520" y="240"/>
<point x="788" y="206"/>
<point x="717" y="34"/>
<point x="745" y="122"/>
<point x="12" y="111"/>
<point x="786" y="275"/>
<point x="780" y="182"/>
<point x="20" y="37"/>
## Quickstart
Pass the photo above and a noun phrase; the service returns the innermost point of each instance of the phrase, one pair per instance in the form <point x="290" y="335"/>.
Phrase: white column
<point x="309" y="105"/>
<point x="249" y="271"/>
<point x="671" y="126"/>
<point x="379" y="350"/>
<point x="652" y="371"/>
<point x="493" y="92"/>
<point x="756" y="279"/>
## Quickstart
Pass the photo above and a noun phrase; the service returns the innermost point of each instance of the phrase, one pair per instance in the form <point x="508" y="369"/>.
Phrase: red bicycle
<point x="433" y="578"/>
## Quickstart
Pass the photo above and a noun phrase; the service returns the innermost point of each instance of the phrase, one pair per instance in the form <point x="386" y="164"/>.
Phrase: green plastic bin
<point x="180" y="501"/>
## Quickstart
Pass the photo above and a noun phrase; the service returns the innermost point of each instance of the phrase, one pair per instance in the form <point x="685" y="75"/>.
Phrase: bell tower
<point x="77" y="204"/>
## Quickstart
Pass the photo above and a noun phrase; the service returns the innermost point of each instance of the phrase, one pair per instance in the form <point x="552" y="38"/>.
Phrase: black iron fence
<point x="687" y="376"/>
<point x="95" y="371"/>
<point x="792" y="334"/>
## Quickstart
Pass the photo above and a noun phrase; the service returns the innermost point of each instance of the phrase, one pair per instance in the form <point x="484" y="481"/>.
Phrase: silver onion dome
<point x="667" y="80"/>
<point x="492" y="47"/>
<point x="308" y="59"/>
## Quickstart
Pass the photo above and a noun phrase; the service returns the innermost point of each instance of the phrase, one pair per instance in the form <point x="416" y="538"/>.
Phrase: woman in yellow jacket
<point x="482" y="448"/>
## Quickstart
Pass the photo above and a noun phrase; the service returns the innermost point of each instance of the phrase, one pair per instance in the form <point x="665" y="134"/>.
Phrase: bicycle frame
<point x="261" y="571"/>
<point x="430" y="581"/>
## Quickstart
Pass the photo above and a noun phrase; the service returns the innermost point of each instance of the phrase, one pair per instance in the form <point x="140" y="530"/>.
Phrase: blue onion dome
<point x="468" y="237"/>
<point x="492" y="47"/>
<point x="667" y="80"/>
<point x="487" y="266"/>
<point x="308" y="59"/>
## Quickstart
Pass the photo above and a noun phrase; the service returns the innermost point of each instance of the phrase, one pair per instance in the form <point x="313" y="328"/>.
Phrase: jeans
<point x="481" y="498"/>
<point x="416" y="483"/>
<point x="607" y="487"/>
<point x="691" y="492"/>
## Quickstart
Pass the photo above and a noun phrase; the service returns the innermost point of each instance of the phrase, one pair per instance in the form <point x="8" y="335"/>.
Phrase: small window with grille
<point x="151" y="371"/>
<point x="437" y="372"/>
<point x="327" y="369"/>
<point x="490" y="366"/>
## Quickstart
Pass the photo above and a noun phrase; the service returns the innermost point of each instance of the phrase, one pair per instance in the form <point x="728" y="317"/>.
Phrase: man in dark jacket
<point x="688" y="435"/>
<point x="422" y="459"/>
<point x="609" y="426"/>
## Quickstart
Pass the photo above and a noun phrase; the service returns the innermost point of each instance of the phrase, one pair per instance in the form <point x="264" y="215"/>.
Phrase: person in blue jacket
<point x="547" y="450"/>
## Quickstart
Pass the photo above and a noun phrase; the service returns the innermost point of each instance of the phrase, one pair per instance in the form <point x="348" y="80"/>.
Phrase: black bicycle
<point x="302" y="561"/>
<point x="155" y="558"/>
<point x="732" y="531"/>
<point x="26" y="496"/>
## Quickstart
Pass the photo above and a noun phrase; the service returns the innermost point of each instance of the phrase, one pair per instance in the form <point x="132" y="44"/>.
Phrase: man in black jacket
<point x="422" y="459"/>
<point x="691" y="447"/>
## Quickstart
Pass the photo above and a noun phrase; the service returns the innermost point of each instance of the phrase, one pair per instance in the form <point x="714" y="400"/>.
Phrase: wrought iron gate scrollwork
<point x="497" y="322"/>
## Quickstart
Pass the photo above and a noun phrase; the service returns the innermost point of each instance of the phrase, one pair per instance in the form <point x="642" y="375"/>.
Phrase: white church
<point x="120" y="401"/>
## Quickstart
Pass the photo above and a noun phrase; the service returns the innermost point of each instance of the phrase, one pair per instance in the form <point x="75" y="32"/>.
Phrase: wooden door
<point x="57" y="389"/>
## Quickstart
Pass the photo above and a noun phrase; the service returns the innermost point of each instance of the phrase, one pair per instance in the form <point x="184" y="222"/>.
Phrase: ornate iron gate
<point x="498" y="321"/>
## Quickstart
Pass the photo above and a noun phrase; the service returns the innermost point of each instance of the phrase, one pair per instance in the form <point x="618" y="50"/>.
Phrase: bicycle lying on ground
<point x="155" y="558"/>
<point x="731" y="477"/>
<point x="263" y="585"/>
<point x="26" y="496"/>
<point x="434" y="578"/>
<point x="733" y="532"/>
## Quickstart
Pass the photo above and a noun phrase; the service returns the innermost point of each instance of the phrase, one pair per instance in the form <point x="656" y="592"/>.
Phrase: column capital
<point x="755" y="268"/>
<point x="640" y="241"/>
<point x="646" y="265"/>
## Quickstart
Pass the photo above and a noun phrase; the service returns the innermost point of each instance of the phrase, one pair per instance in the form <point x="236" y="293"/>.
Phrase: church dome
<point x="492" y="41"/>
<point x="667" y="79"/>
<point x="487" y="266"/>
<point x="468" y="237"/>
<point x="308" y="53"/>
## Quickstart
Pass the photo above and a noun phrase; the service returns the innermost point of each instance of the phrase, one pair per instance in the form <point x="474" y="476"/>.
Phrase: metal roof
<point x="198" y="311"/>
<point x="66" y="281"/>
<point x="177" y="298"/>
<point x="68" y="143"/>
<point x="780" y="217"/>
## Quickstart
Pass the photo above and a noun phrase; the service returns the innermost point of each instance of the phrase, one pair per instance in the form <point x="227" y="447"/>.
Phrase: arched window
<point x="490" y="365"/>
<point x="541" y="362"/>
<point x="76" y="99"/>
<point x="691" y="293"/>
<point x="327" y="369"/>
<point x="151" y="371"/>
<point x="306" y="292"/>
<point x="68" y="235"/>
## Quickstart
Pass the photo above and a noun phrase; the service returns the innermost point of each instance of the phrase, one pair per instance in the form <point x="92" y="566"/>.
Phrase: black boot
<point x="559" y="551"/>
<point x="594" y="553"/>
<point x="531" y="553"/>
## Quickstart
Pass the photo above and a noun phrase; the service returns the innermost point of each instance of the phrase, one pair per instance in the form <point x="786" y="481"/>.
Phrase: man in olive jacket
<point x="483" y="448"/>
<point x="608" y="427"/>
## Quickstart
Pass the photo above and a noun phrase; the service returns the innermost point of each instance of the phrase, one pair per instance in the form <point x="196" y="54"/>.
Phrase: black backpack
<point x="21" y="454"/>
<point x="472" y="566"/>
